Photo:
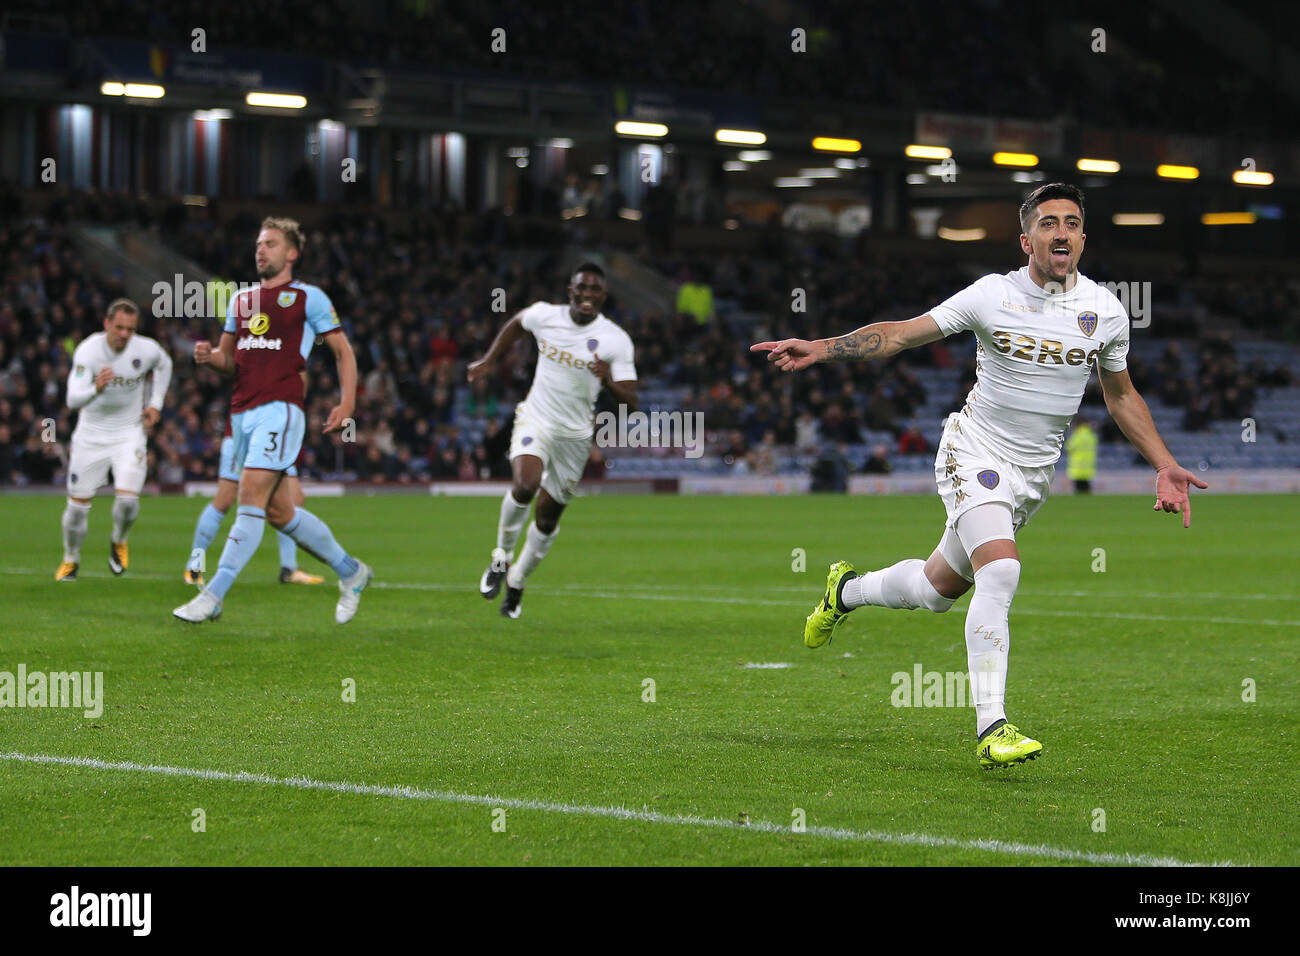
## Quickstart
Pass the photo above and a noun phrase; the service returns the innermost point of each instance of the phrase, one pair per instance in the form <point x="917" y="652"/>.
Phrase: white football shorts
<point x="968" y="474"/>
<point x="563" y="459"/>
<point x="91" y="459"/>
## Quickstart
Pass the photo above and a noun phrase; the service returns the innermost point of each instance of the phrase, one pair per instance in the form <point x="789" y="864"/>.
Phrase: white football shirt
<point x="1034" y="354"/>
<point x="563" y="395"/>
<point x="115" y="412"/>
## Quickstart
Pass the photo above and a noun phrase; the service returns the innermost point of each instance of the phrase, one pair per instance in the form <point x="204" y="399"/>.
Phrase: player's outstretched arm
<point x="1129" y="409"/>
<point x="510" y="334"/>
<point x="345" y="360"/>
<point x="880" y="340"/>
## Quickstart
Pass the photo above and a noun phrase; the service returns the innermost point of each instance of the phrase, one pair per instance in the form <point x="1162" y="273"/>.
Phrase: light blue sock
<point x="205" y="530"/>
<point x="241" y="544"/>
<point x="288" y="551"/>
<point x="315" y="537"/>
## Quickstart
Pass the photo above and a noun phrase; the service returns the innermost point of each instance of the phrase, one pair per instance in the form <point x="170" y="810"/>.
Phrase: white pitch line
<point x="587" y="591"/>
<point x="619" y="813"/>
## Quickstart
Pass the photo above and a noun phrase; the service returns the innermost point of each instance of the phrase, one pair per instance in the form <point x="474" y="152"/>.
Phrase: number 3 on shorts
<point x="271" y="447"/>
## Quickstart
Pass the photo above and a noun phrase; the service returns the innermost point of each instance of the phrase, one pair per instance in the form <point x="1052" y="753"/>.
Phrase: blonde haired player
<point x="1039" y="331"/>
<point x="579" y="351"/>
<point x="106" y="385"/>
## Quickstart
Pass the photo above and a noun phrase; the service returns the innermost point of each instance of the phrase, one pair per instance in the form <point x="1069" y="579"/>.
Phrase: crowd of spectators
<point x="418" y="306"/>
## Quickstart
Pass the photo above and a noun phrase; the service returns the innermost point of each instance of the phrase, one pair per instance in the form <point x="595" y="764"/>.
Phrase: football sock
<point x="988" y="638"/>
<point x="205" y="530"/>
<point x="536" y="545"/>
<point x="76" y="519"/>
<point x="288" y="551"/>
<point x="241" y="544"/>
<point x="513" y="516"/>
<point x="126" y="508"/>
<point x="315" y="537"/>
<point x="903" y="585"/>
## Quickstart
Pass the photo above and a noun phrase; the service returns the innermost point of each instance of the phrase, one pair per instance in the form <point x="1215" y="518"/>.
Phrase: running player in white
<point x="578" y="352"/>
<point x="1039" y="331"/>
<point x="107" y="386"/>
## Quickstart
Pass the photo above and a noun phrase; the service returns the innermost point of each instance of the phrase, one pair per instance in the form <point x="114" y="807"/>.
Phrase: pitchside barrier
<point x="1136" y="481"/>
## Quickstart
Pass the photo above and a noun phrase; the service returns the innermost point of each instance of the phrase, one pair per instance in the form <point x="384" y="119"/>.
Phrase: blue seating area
<point x="1276" y="411"/>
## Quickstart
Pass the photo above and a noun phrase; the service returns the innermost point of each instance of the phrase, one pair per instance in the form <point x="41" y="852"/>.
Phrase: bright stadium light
<point x="734" y="166"/>
<point x="961" y="235"/>
<point x="845" y="163"/>
<point x="144" y="91"/>
<point x="1228" y="219"/>
<point x="1138" y="219"/>
<point x="632" y="128"/>
<point x="217" y="114"/>
<point x="1015" y="159"/>
<point x="1166" y="171"/>
<point x="1249" y="177"/>
<point x="917" y="179"/>
<point x="824" y="172"/>
<point x="791" y="182"/>
<point x="1097" y="166"/>
<point x="560" y="143"/>
<point x="831" y="144"/>
<point x="740" y="137"/>
<point x="282" y="101"/>
<point x="916" y="151"/>
<point x="754" y="155"/>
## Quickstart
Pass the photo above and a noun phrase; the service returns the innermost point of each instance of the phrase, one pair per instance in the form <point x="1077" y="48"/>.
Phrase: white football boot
<point x="350" y="592"/>
<point x="205" y="606"/>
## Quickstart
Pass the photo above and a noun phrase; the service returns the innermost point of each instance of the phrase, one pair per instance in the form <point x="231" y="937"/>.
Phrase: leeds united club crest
<point x="1088" y="322"/>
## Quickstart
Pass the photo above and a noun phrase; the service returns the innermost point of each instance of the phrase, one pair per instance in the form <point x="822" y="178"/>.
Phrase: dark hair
<point x="1046" y="192"/>
<point x="588" y="267"/>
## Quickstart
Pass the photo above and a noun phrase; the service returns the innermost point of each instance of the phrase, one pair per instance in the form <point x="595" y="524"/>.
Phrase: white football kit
<point x="110" y="434"/>
<point x="555" y="420"/>
<point x="1034" y="355"/>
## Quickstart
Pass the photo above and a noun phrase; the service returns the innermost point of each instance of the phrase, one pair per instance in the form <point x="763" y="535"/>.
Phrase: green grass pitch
<point x="1133" y="678"/>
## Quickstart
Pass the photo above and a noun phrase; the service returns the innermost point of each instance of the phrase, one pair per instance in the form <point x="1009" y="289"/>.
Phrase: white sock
<point x="76" y="519"/>
<point x="125" y="510"/>
<point x="535" y="547"/>
<point x="513" y="516"/>
<point x="988" y="638"/>
<point x="903" y="585"/>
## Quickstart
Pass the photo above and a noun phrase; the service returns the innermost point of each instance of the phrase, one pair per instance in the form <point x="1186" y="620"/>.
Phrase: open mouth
<point x="1060" y="254"/>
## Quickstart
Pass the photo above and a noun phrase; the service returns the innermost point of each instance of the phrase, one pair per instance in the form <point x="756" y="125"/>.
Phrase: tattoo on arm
<point x="855" y="345"/>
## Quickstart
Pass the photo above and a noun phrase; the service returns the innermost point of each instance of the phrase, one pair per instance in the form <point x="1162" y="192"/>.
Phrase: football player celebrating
<point x="262" y="346"/>
<point x="107" y="386"/>
<point x="1039" y="331"/>
<point x="579" y="351"/>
